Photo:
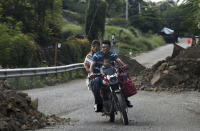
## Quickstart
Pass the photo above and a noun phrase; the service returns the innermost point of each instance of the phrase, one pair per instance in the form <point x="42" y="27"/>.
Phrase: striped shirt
<point x="98" y="58"/>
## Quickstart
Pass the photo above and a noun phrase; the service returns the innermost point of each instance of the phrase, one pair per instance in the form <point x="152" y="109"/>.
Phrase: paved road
<point x="149" y="58"/>
<point x="151" y="112"/>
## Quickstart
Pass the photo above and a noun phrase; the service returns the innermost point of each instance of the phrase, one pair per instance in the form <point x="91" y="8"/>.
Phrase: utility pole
<point x="139" y="7"/>
<point x="127" y="10"/>
<point x="56" y="52"/>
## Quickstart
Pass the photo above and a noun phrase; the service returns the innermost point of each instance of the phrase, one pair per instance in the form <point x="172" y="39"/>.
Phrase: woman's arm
<point x="87" y="64"/>
<point x="87" y="67"/>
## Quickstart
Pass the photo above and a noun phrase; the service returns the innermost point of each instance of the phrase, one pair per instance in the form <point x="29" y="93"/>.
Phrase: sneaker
<point x="98" y="107"/>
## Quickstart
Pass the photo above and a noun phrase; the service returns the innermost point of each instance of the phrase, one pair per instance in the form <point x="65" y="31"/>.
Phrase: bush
<point x="123" y="33"/>
<point x="117" y="22"/>
<point x="17" y="49"/>
<point x="70" y="30"/>
<point x="131" y="39"/>
<point x="74" y="50"/>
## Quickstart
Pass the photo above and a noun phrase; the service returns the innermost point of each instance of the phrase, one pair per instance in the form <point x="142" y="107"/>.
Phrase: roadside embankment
<point x="177" y="73"/>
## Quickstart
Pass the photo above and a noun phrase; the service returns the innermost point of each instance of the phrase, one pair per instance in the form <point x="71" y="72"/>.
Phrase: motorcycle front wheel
<point x="122" y="107"/>
<point x="112" y="116"/>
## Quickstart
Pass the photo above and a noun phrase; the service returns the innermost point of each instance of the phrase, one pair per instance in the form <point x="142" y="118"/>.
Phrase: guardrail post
<point x="17" y="82"/>
<point x="31" y="82"/>
<point x="70" y="75"/>
<point x="77" y="73"/>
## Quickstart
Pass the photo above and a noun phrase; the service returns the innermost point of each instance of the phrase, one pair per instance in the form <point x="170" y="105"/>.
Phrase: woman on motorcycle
<point x="95" y="46"/>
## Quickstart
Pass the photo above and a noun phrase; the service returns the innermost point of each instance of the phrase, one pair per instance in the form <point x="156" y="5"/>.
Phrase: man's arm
<point x="120" y="62"/>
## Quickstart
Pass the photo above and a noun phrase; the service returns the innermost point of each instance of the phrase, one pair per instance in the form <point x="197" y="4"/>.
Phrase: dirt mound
<point x="179" y="73"/>
<point x="134" y="67"/>
<point x="18" y="112"/>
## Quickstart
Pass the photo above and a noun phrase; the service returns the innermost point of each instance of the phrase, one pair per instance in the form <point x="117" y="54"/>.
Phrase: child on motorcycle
<point x="107" y="67"/>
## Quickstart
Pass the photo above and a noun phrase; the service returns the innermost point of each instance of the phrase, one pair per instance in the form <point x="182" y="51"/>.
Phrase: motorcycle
<point x="113" y="97"/>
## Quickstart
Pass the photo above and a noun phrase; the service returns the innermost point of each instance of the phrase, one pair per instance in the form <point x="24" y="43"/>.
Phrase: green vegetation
<point x="74" y="50"/>
<point x="95" y="19"/>
<point x="17" y="49"/>
<point x="25" y="83"/>
<point x="131" y="40"/>
<point x="74" y="16"/>
<point x="29" y="29"/>
<point x="122" y="22"/>
<point x="70" y="30"/>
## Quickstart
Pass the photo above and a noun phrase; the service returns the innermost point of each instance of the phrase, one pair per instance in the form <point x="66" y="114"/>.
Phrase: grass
<point x="71" y="29"/>
<point x="74" y="16"/>
<point x="131" y="40"/>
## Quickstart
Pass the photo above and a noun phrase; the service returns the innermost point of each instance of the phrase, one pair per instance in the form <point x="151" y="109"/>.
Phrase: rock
<point x="24" y="127"/>
<point x="142" y="87"/>
<point x="198" y="60"/>
<point x="162" y="66"/>
<point x="172" y="67"/>
<point x="22" y="94"/>
<point x="34" y="103"/>
<point x="165" y="72"/>
<point x="3" y="125"/>
<point x="185" y="69"/>
<point x="155" y="89"/>
<point x="155" y="78"/>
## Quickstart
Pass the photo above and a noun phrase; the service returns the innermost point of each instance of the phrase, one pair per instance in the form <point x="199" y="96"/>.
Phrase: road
<point x="151" y="112"/>
<point x="149" y="58"/>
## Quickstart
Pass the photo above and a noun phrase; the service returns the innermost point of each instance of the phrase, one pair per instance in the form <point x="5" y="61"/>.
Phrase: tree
<point x="95" y="19"/>
<point x="115" y="8"/>
<point x="148" y="20"/>
<point x="191" y="13"/>
<point x="39" y="17"/>
<point x="17" y="49"/>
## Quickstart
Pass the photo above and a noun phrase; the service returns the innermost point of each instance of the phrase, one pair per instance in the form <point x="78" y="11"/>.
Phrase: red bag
<point x="128" y="86"/>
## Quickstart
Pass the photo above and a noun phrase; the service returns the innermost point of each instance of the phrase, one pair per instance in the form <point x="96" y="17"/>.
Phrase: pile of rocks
<point x="134" y="67"/>
<point x="178" y="73"/>
<point x="18" y="112"/>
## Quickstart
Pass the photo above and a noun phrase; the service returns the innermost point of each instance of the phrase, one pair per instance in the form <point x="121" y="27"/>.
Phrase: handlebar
<point x="95" y="75"/>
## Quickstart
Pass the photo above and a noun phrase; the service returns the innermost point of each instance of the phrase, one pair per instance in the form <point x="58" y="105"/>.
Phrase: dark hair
<point x="106" y="42"/>
<point x="94" y="42"/>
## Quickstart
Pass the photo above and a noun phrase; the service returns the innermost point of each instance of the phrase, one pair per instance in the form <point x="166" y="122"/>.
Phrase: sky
<point x="160" y="0"/>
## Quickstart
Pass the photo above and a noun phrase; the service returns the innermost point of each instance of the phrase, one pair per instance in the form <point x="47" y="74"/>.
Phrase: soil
<point x="177" y="73"/>
<point x="134" y="67"/>
<point x="18" y="112"/>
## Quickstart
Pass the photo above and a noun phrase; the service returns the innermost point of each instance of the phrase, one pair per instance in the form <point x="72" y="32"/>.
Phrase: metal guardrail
<point x="20" y="72"/>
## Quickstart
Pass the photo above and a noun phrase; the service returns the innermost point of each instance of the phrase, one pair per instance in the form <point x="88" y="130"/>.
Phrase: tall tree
<point x="95" y="19"/>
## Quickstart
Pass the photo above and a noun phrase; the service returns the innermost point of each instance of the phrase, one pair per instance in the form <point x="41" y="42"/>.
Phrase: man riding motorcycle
<point x="97" y="61"/>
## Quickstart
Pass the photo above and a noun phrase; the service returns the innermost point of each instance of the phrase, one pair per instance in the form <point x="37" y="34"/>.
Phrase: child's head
<point x="106" y="61"/>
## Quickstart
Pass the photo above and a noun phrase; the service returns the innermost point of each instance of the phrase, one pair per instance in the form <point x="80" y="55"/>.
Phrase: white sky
<point x="160" y="0"/>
